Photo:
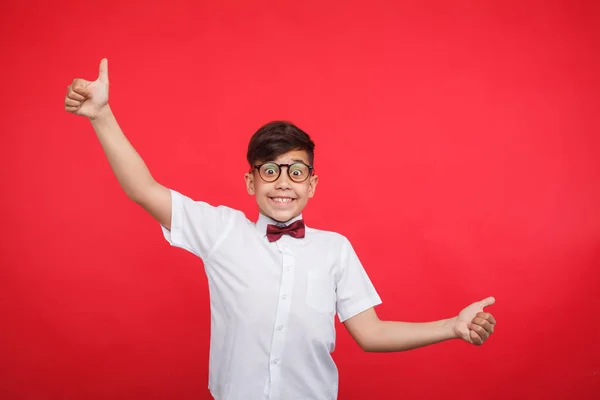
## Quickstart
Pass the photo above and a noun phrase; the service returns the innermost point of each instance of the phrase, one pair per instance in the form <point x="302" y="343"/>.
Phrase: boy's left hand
<point x="474" y="325"/>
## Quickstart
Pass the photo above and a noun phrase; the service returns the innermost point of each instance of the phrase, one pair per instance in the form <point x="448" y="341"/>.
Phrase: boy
<point x="275" y="285"/>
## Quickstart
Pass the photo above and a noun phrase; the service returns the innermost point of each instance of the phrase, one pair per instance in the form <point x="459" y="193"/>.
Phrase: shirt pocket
<point x="320" y="291"/>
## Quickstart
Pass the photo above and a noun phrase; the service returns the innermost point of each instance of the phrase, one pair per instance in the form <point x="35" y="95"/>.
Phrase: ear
<point x="249" y="176"/>
<point x="312" y="185"/>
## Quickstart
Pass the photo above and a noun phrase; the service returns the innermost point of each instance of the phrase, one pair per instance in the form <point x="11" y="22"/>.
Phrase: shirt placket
<point x="281" y="318"/>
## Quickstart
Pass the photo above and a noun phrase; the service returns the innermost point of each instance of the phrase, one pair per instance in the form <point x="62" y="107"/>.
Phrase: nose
<point x="284" y="181"/>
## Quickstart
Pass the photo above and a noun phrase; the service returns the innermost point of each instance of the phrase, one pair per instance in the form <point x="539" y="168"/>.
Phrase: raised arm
<point x="90" y="100"/>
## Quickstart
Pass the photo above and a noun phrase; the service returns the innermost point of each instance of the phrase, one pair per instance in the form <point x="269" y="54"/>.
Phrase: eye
<point x="269" y="170"/>
<point x="298" y="170"/>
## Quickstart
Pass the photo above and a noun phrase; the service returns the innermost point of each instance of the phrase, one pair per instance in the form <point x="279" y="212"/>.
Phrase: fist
<point x="473" y="324"/>
<point x="87" y="98"/>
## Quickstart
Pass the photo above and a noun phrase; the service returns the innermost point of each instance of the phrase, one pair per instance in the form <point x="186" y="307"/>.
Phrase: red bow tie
<point x="295" y="230"/>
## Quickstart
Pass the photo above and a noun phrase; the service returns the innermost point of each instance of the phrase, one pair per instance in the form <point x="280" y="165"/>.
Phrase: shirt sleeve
<point x="355" y="291"/>
<point x="196" y="226"/>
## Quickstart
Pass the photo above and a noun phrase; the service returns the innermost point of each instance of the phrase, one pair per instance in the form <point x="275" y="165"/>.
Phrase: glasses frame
<point x="257" y="167"/>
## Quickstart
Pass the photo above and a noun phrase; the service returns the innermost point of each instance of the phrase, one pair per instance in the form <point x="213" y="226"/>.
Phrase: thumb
<point x="487" y="302"/>
<point x="103" y="70"/>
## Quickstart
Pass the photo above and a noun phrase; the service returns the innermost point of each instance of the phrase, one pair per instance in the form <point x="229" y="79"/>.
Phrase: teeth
<point x="280" y="200"/>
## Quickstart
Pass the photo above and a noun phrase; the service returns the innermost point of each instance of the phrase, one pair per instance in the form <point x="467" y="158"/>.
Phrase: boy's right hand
<point x="87" y="98"/>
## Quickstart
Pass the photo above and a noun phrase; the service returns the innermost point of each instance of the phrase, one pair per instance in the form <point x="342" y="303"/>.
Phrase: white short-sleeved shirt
<point x="272" y="305"/>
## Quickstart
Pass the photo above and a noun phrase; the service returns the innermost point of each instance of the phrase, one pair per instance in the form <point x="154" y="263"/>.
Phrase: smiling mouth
<point x="282" y="200"/>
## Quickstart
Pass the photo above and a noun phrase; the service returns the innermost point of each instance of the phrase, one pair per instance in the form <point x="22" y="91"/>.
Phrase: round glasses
<point x="270" y="172"/>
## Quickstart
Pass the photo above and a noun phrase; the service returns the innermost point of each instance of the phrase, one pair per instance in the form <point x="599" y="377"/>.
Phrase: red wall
<point x="465" y="133"/>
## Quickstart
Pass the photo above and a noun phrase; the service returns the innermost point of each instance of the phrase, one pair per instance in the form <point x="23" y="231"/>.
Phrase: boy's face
<point x="284" y="198"/>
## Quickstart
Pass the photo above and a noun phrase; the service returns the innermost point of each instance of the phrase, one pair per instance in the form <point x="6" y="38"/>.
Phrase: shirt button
<point x="276" y="361"/>
<point x="280" y="328"/>
<point x="284" y="296"/>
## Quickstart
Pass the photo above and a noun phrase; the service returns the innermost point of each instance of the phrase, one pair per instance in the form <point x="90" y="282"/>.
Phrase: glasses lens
<point x="298" y="172"/>
<point x="269" y="172"/>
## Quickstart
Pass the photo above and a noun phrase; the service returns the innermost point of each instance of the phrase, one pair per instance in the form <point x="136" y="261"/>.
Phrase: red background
<point x="465" y="132"/>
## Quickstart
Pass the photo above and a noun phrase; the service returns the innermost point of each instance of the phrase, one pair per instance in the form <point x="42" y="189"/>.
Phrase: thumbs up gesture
<point x="87" y="98"/>
<point x="473" y="324"/>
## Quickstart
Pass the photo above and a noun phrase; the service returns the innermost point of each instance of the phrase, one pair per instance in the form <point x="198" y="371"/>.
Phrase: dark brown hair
<point x="277" y="138"/>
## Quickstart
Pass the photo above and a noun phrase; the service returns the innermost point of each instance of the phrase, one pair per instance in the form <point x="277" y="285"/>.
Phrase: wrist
<point x="103" y="113"/>
<point x="449" y="327"/>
